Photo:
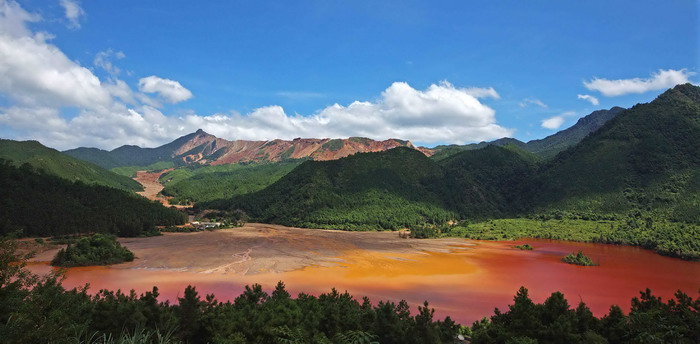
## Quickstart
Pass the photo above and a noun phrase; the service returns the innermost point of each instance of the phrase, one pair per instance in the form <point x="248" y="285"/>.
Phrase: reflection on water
<point x="466" y="283"/>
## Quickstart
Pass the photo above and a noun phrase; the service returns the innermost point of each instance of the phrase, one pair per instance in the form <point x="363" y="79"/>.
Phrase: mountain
<point x="553" y="144"/>
<point x="646" y="158"/>
<point x="36" y="203"/>
<point x="62" y="165"/>
<point x="381" y="190"/>
<point x="547" y="147"/>
<point x="203" y="148"/>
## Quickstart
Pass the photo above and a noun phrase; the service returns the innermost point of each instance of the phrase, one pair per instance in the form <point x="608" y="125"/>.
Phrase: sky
<point x="101" y="73"/>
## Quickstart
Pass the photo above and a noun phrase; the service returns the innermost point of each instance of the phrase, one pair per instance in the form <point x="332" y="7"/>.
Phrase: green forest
<point x="34" y="309"/>
<point x="34" y="203"/>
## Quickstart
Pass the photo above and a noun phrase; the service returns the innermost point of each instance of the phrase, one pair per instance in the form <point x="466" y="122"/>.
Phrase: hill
<point x="382" y="190"/>
<point x="646" y="158"/>
<point x="547" y="147"/>
<point x="488" y="182"/>
<point x="201" y="148"/>
<point x="62" y="165"/>
<point x="207" y="183"/>
<point x="39" y="204"/>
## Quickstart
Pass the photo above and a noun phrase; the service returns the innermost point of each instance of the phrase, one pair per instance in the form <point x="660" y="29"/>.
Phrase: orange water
<point x="466" y="283"/>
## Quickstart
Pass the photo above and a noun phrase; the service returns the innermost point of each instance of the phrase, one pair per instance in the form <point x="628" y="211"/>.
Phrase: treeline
<point x="34" y="203"/>
<point x="39" y="310"/>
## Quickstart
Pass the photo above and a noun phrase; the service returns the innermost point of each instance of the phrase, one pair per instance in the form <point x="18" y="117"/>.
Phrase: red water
<point x="466" y="283"/>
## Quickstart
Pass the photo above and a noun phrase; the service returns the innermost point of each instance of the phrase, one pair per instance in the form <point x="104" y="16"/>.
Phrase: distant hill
<point x="547" y="147"/>
<point x="39" y="204"/>
<point x="62" y="165"/>
<point x="203" y="148"/>
<point x="647" y="157"/>
<point x="383" y="190"/>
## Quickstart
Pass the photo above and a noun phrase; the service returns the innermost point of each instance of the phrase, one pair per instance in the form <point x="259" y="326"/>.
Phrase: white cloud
<point x="55" y="100"/>
<point x="587" y="97"/>
<point x="170" y="90"/>
<point x="73" y="12"/>
<point x="658" y="81"/>
<point x="478" y="92"/>
<point x="36" y="72"/>
<point x="532" y="101"/>
<point x="556" y="122"/>
<point x="103" y="59"/>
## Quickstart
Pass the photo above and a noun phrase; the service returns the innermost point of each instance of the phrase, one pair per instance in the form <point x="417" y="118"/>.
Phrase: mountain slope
<point x="39" y="204"/>
<point x="381" y="190"/>
<point x="203" y="148"/>
<point x="648" y="157"/>
<point x="62" y="165"/>
<point x="553" y="144"/>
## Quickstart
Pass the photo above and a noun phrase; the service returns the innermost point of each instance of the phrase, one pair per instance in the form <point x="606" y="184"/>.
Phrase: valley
<point x="462" y="278"/>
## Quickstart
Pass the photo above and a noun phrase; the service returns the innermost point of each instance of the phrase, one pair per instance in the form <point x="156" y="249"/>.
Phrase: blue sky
<point x="238" y="57"/>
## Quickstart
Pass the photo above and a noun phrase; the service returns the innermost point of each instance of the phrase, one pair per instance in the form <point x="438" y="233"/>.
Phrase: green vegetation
<point x="365" y="191"/>
<point x="97" y="249"/>
<point x="333" y="145"/>
<point x="38" y="204"/>
<point x="524" y="247"/>
<point x="650" y="320"/>
<point x="37" y="309"/>
<point x="578" y="259"/>
<point x="56" y="163"/>
<point x="208" y="183"/>
<point x="130" y="171"/>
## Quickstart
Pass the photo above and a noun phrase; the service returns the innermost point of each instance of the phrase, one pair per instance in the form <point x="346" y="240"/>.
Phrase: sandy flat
<point x="262" y="248"/>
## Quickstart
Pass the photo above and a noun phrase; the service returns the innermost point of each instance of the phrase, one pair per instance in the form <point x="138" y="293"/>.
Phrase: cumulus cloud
<point x="55" y="100"/>
<point x="73" y="12"/>
<point x="556" y="122"/>
<point x="589" y="98"/>
<point x="664" y="78"/>
<point x="170" y="90"/>
<point x="532" y="101"/>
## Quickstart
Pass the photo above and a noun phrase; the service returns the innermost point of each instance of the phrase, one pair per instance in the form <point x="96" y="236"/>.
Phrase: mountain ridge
<point x="202" y="148"/>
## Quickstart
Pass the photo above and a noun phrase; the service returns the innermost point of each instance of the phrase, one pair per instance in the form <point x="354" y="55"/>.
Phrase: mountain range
<point x="201" y="148"/>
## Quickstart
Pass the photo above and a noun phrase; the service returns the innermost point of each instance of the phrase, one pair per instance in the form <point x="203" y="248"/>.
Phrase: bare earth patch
<point x="262" y="248"/>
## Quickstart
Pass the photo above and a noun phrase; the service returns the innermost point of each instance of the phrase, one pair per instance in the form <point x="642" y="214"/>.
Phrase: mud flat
<point x="262" y="248"/>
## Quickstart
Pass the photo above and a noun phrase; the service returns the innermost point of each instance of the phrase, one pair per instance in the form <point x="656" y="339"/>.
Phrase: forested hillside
<point x="383" y="190"/>
<point x="56" y="163"/>
<point x="646" y="159"/>
<point x="38" y="204"/>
